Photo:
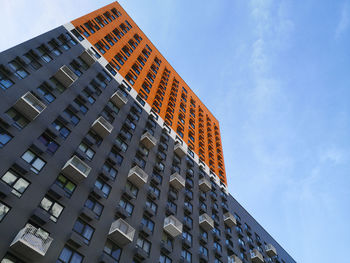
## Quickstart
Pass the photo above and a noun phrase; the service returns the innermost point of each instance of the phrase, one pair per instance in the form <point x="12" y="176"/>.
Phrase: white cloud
<point x="344" y="21"/>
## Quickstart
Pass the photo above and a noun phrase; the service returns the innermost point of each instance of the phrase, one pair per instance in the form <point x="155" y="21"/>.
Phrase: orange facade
<point x="127" y="49"/>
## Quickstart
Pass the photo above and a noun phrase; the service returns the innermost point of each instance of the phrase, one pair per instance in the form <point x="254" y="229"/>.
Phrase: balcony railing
<point x="65" y="76"/>
<point x="137" y="176"/>
<point x="270" y="250"/>
<point x="256" y="256"/>
<point x="30" y="106"/>
<point x="172" y="226"/>
<point x="148" y="140"/>
<point x="180" y="150"/>
<point x="234" y="259"/>
<point x="204" y="185"/>
<point x="206" y="222"/>
<point x="121" y="232"/>
<point x="229" y="219"/>
<point x="102" y="127"/>
<point x="118" y="99"/>
<point x="31" y="242"/>
<point x="76" y="169"/>
<point x="88" y="57"/>
<point x="177" y="181"/>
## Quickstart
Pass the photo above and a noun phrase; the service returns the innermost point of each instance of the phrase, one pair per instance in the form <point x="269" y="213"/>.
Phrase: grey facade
<point x="75" y="206"/>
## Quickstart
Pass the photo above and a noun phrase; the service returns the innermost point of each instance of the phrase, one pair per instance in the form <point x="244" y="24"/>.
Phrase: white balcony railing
<point x="102" y="127"/>
<point x="177" y="181"/>
<point x="234" y="259"/>
<point x="31" y="242"/>
<point x="270" y="250"/>
<point x="88" y="57"/>
<point x="256" y="256"/>
<point x="180" y="150"/>
<point x="30" y="106"/>
<point x="76" y="169"/>
<point x="172" y="226"/>
<point x="204" y="185"/>
<point x="65" y="76"/>
<point x="137" y="176"/>
<point x="121" y="232"/>
<point x="118" y="99"/>
<point x="206" y="222"/>
<point x="229" y="219"/>
<point x="148" y="140"/>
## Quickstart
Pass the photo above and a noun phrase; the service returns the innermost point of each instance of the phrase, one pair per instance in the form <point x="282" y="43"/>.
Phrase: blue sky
<point x="275" y="73"/>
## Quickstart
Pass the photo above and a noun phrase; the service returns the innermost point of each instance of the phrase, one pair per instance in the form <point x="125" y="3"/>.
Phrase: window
<point x="51" y="145"/>
<point x="5" y="137"/>
<point x="186" y="255"/>
<point x="16" y="182"/>
<point x="189" y="206"/>
<point x="70" y="256"/>
<point x="63" y="130"/>
<point x="118" y="158"/>
<point x="128" y="207"/>
<point x="112" y="250"/>
<point x="132" y="188"/>
<point x="36" y="162"/>
<point x="71" y="116"/>
<point x="148" y="223"/>
<point x="5" y="82"/>
<point x="110" y="170"/>
<point x="187" y="236"/>
<point x="218" y="247"/>
<point x="43" y="53"/>
<point x="94" y="206"/>
<point x="155" y="190"/>
<point x="123" y="146"/>
<point x="217" y="260"/>
<point x="57" y="85"/>
<point x="4" y="209"/>
<point x="52" y="207"/>
<point x="83" y="229"/>
<point x="19" y="71"/>
<point x="188" y="220"/>
<point x="139" y="161"/>
<point x="67" y="185"/>
<point x="144" y="244"/>
<point x="152" y="205"/>
<point x="172" y="205"/>
<point x="164" y="259"/>
<point x="19" y="120"/>
<point x="105" y="188"/>
<point x="203" y="250"/>
<point x="43" y="90"/>
<point x="81" y="105"/>
<point x="87" y="150"/>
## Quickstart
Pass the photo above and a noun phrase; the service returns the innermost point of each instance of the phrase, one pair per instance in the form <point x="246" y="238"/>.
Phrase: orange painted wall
<point x="206" y="127"/>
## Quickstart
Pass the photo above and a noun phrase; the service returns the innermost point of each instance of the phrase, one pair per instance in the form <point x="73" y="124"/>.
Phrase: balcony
<point x="65" y="76"/>
<point x="206" y="222"/>
<point x="204" y="185"/>
<point x="256" y="256"/>
<point x="88" y="57"/>
<point x="102" y="127"/>
<point x="180" y="150"/>
<point x="148" y="140"/>
<point x="76" y="169"/>
<point x="177" y="181"/>
<point x="270" y="250"/>
<point x="229" y="219"/>
<point x="234" y="259"/>
<point x="31" y="242"/>
<point x="137" y="176"/>
<point x="172" y="226"/>
<point x="118" y="99"/>
<point x="30" y="106"/>
<point x="121" y="232"/>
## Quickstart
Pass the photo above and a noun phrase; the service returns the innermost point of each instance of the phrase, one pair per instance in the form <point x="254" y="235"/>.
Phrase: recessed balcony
<point x="177" y="181"/>
<point x="137" y="176"/>
<point x="206" y="222"/>
<point x="76" y="169"/>
<point x="65" y="76"/>
<point x="118" y="99"/>
<point x="31" y="242"/>
<point x="256" y="256"/>
<point x="270" y="250"/>
<point x="172" y="226"/>
<point x="121" y="232"/>
<point x="204" y="185"/>
<point x="234" y="259"/>
<point x="180" y="150"/>
<point x="29" y="105"/>
<point x="229" y="219"/>
<point x="102" y="127"/>
<point x="148" y="140"/>
<point x="88" y="57"/>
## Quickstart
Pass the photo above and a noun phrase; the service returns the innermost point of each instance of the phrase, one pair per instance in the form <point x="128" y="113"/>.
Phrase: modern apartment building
<point x="108" y="156"/>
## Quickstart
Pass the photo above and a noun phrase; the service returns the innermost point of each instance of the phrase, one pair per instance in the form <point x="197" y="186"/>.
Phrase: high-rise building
<point x="108" y="156"/>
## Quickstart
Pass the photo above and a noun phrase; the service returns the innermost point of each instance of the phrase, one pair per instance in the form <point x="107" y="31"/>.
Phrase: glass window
<point x="112" y="250"/>
<point x="105" y="188"/>
<point x="52" y="207"/>
<point x="51" y="145"/>
<point x="151" y="205"/>
<point x="5" y="82"/>
<point x="69" y="256"/>
<point x="44" y="91"/>
<point x="19" y="120"/>
<point x="64" y="131"/>
<point x="132" y="188"/>
<point x="110" y="170"/>
<point x="36" y="162"/>
<point x="129" y="208"/>
<point x="85" y="230"/>
<point x="148" y="223"/>
<point x="16" y="182"/>
<point x="4" y="209"/>
<point x="164" y="259"/>
<point x="186" y="255"/>
<point x="43" y="53"/>
<point x="144" y="244"/>
<point x="67" y="185"/>
<point x="71" y="116"/>
<point x="18" y="69"/>
<point x="94" y="206"/>
<point x="5" y="137"/>
<point x="87" y="150"/>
